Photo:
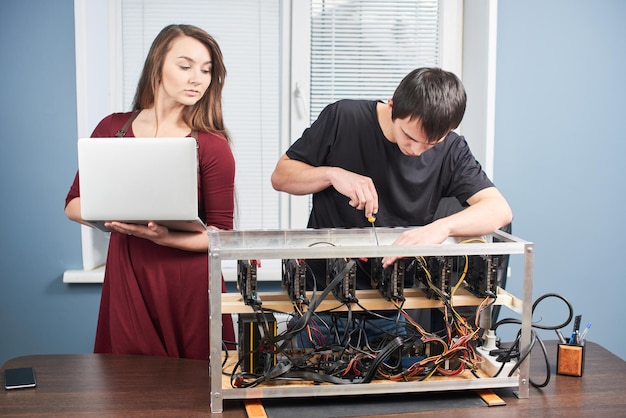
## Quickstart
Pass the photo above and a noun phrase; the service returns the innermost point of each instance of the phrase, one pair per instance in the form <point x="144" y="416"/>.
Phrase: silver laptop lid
<point x="138" y="179"/>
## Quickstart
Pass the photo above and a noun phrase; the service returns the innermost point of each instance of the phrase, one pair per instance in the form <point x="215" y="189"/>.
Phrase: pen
<point x="561" y="337"/>
<point x="572" y="338"/>
<point x="584" y="333"/>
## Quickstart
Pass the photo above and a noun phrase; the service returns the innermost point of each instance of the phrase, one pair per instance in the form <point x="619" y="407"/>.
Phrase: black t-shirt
<point x="347" y="135"/>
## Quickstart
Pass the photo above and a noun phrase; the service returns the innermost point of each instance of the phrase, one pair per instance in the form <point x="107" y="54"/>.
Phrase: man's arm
<point x="296" y="177"/>
<point x="487" y="212"/>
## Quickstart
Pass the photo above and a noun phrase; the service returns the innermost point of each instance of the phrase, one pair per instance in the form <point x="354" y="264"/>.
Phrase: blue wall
<point x="560" y="154"/>
<point x="38" y="313"/>
<point x="560" y="89"/>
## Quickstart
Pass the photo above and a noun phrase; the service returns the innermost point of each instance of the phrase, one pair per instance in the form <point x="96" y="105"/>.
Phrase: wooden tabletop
<point x="126" y="385"/>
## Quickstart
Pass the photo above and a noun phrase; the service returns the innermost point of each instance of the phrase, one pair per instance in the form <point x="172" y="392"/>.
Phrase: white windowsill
<point x="84" y="276"/>
<point x="270" y="270"/>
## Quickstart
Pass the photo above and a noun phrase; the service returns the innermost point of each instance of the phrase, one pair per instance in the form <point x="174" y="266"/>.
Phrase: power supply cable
<point x="508" y="354"/>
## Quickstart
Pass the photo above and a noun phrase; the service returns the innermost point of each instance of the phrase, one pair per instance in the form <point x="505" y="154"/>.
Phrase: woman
<point x="155" y="291"/>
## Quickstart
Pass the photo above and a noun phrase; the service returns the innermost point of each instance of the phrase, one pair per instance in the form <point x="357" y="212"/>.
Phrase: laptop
<point x="136" y="180"/>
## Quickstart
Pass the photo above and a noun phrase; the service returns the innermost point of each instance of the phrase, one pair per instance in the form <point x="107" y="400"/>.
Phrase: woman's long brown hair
<point x="206" y="115"/>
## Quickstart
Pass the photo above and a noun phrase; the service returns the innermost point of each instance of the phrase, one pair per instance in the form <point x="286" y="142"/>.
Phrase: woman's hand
<point x="162" y="235"/>
<point x="152" y="231"/>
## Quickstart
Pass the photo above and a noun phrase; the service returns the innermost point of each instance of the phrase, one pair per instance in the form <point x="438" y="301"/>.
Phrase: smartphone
<point x="22" y="377"/>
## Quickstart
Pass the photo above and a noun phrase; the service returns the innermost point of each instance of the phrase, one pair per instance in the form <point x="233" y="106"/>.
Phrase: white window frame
<point x="469" y="26"/>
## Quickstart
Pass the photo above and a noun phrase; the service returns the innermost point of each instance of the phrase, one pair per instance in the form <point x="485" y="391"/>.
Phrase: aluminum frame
<point x="354" y="242"/>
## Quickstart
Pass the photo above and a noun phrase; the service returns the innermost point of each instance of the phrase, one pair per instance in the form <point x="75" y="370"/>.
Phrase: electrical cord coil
<point x="523" y="354"/>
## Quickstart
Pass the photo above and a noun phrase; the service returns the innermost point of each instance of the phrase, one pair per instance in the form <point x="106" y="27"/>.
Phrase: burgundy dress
<point x="155" y="298"/>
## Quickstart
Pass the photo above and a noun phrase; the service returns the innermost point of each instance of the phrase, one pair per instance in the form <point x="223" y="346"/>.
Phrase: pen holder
<point x="570" y="360"/>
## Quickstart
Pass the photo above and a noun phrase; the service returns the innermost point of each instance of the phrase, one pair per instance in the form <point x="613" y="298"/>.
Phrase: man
<point x="397" y="161"/>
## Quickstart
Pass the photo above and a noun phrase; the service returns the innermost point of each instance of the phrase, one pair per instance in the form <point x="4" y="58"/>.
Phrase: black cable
<point x="384" y="353"/>
<point x="544" y="327"/>
<point x="225" y="349"/>
<point x="303" y="320"/>
<point x="534" y="338"/>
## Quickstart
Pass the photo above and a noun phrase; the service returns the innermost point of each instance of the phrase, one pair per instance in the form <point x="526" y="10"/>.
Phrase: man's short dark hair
<point x="434" y="96"/>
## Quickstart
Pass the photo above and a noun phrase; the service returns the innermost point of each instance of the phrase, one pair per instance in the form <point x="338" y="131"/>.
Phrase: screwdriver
<point x="371" y="220"/>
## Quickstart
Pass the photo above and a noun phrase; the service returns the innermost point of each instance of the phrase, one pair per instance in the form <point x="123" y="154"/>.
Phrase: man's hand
<point x="296" y="177"/>
<point x="434" y="233"/>
<point x="359" y="189"/>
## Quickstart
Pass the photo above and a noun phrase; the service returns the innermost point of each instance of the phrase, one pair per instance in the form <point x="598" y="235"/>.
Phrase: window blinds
<point x="361" y="49"/>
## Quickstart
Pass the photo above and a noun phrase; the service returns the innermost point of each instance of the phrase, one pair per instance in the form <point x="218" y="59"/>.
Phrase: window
<point x="285" y="60"/>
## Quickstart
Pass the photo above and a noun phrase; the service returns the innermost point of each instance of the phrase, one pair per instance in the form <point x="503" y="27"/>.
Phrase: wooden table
<point x="125" y="385"/>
